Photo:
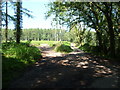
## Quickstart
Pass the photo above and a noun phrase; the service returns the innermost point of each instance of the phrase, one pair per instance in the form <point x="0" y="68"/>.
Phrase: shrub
<point x="15" y="57"/>
<point x="85" y="47"/>
<point x="63" y="48"/>
<point x="90" y="49"/>
<point x="66" y="43"/>
<point x="21" y="51"/>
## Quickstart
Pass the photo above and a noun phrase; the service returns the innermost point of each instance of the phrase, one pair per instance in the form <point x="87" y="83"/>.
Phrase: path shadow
<point x="79" y="70"/>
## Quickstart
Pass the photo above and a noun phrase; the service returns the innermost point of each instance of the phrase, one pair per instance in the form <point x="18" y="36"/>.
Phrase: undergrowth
<point x="15" y="58"/>
<point x="96" y="51"/>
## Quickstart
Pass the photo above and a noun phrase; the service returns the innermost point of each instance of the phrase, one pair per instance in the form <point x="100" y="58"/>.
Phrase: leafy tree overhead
<point x="99" y="16"/>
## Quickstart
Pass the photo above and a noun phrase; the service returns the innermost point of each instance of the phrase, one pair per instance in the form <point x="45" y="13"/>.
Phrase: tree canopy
<point x="101" y="16"/>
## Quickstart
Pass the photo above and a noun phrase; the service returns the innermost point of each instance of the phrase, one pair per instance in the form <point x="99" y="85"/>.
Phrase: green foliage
<point x="102" y="17"/>
<point x="38" y="35"/>
<point x="85" y="47"/>
<point x="15" y="57"/>
<point x="50" y="43"/>
<point x="66" y="43"/>
<point x="11" y="68"/>
<point x="89" y="48"/>
<point x="20" y="51"/>
<point x="63" y="48"/>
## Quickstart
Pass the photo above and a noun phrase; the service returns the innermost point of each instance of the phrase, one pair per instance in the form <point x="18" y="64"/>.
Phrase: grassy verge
<point x="15" y="58"/>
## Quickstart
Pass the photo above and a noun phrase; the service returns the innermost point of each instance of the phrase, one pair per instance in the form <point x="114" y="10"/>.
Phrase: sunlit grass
<point x="51" y="43"/>
<point x="63" y="48"/>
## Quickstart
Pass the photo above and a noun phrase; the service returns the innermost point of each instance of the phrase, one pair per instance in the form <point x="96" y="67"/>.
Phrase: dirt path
<point x="74" y="70"/>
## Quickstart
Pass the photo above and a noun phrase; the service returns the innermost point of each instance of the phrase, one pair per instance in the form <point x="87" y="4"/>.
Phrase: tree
<point x="107" y="11"/>
<point x="19" y="10"/>
<point x="6" y="22"/>
<point x="18" y="21"/>
<point x="100" y="16"/>
<point x="0" y="19"/>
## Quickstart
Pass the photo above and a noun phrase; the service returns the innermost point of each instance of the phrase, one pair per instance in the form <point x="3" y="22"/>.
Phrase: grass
<point x="37" y="43"/>
<point x="59" y="46"/>
<point x="51" y="43"/>
<point x="15" y="58"/>
<point x="63" y="48"/>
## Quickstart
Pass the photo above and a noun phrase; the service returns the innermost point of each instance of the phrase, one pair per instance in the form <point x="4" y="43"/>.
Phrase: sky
<point x="38" y="11"/>
<point x="38" y="8"/>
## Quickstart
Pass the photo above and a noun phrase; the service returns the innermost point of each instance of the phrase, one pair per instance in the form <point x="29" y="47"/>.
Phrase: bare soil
<point x="74" y="70"/>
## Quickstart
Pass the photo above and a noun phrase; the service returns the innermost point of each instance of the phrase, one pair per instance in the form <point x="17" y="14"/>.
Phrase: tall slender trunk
<point x="0" y="43"/>
<point x="0" y="16"/>
<point x="18" y="21"/>
<point x="6" y="22"/>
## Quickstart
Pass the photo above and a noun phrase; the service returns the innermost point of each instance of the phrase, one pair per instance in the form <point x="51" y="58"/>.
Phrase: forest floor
<point x="74" y="70"/>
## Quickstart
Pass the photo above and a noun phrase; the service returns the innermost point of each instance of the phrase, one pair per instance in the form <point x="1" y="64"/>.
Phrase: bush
<point x="63" y="48"/>
<point x="85" y="47"/>
<point x="15" y="57"/>
<point x="21" y="51"/>
<point x="66" y="43"/>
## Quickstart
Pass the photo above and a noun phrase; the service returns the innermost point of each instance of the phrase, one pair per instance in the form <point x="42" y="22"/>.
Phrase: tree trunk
<point x="99" y="41"/>
<point x="0" y="15"/>
<point x="6" y="22"/>
<point x="108" y="15"/>
<point x="112" y="36"/>
<point x="0" y="22"/>
<point x="18" y="22"/>
<point x="98" y="33"/>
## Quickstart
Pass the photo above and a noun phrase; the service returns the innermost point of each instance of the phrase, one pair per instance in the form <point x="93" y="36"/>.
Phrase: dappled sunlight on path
<point x="51" y="54"/>
<point x="74" y="70"/>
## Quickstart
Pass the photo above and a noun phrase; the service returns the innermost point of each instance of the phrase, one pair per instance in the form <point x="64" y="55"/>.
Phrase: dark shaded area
<point x="81" y="70"/>
<point x="15" y="59"/>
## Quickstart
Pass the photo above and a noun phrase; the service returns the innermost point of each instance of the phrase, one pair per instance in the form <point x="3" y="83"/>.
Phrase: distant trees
<point x="39" y="34"/>
<point x="43" y="34"/>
